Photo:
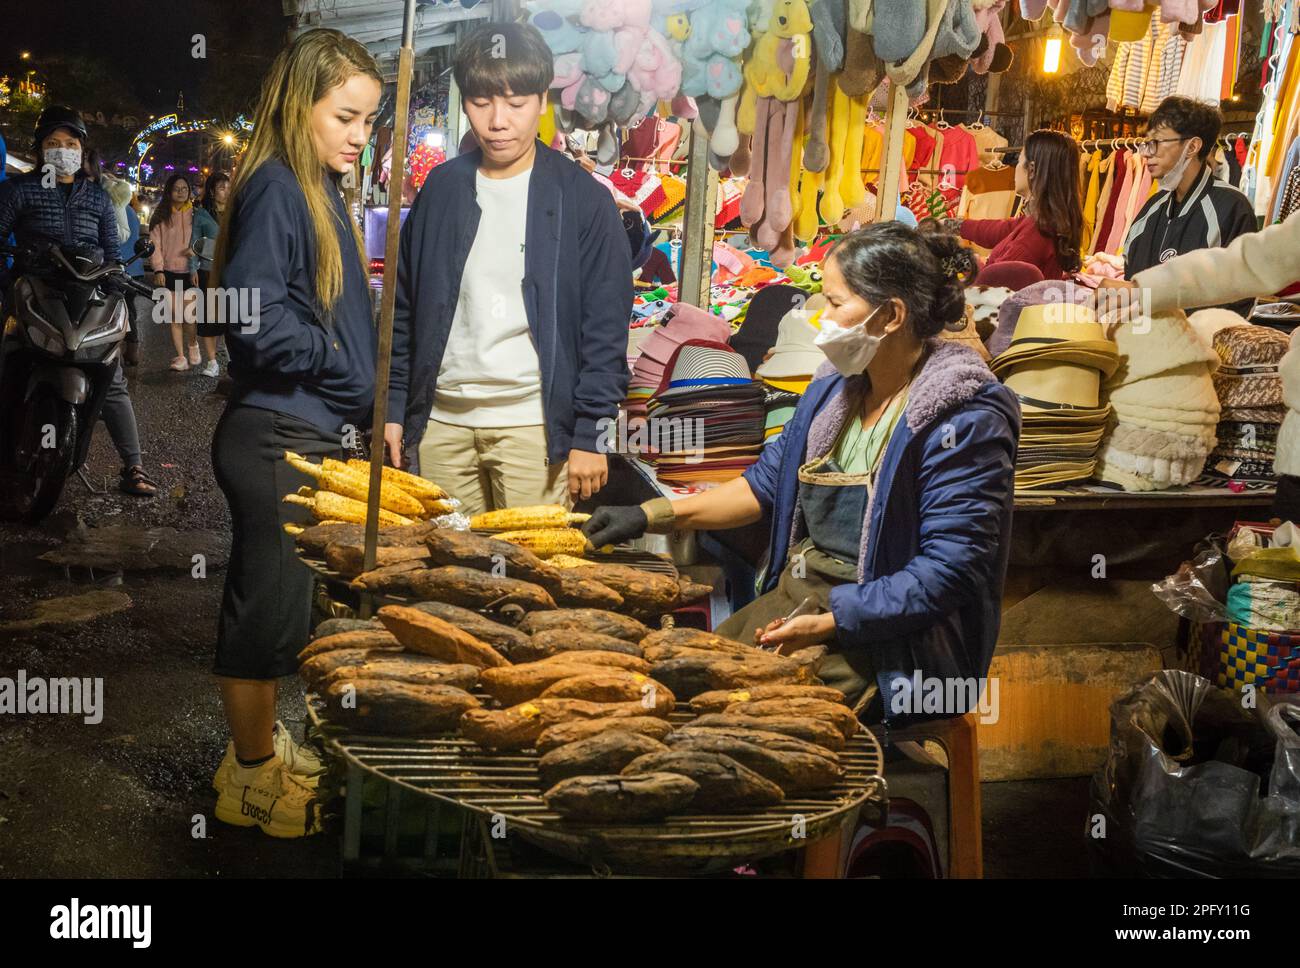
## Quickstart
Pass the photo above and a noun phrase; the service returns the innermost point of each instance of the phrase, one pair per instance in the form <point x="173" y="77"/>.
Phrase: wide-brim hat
<point x="797" y="385"/>
<point x="1063" y="472"/>
<point x="1056" y="292"/>
<point x="1064" y="332"/>
<point x="1056" y="384"/>
<point x="685" y="322"/>
<point x="700" y="364"/>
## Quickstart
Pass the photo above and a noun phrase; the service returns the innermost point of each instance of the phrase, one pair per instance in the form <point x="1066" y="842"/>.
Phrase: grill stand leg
<point x="826" y="858"/>
<point x="352" y="816"/>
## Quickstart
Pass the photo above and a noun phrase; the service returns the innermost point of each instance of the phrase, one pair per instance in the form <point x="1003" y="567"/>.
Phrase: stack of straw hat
<point x="1055" y="363"/>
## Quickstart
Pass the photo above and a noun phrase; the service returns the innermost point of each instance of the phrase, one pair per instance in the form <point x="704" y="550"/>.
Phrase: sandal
<point x="137" y="483"/>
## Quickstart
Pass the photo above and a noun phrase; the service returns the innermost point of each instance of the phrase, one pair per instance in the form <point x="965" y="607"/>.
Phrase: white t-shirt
<point x="490" y="374"/>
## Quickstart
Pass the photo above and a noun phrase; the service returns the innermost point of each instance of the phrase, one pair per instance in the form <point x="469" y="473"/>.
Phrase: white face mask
<point x="64" y="161"/>
<point x="849" y="348"/>
<point x="1170" y="179"/>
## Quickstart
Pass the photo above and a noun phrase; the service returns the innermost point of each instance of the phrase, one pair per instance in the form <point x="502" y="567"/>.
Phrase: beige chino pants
<point x="491" y="469"/>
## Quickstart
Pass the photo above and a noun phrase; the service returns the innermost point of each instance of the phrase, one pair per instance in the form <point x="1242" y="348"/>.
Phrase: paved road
<point x="121" y="798"/>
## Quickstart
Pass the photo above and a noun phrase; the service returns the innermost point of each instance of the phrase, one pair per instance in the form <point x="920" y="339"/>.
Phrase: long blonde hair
<point x="304" y="72"/>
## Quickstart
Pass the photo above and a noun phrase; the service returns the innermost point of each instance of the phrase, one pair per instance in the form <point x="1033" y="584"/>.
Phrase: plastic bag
<point x="1198" y="590"/>
<point x="1197" y="786"/>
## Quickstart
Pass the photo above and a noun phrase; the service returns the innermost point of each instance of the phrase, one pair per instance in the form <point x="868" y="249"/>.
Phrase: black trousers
<point x="266" y="604"/>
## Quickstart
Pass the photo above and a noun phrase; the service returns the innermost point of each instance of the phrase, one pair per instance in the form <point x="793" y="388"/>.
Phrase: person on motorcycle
<point x="56" y="202"/>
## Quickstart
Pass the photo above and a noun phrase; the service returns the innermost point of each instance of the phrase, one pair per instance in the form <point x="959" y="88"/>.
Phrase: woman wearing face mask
<point x="75" y="211"/>
<point x="890" y="489"/>
<point x="303" y="365"/>
<point x="171" y="228"/>
<point x="1049" y="232"/>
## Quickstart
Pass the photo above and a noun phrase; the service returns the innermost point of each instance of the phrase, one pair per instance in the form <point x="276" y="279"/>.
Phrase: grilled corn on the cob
<point x="567" y="561"/>
<point x="526" y="518"/>
<point x="417" y="487"/>
<point x="328" y="506"/>
<point x="340" y="478"/>
<point x="545" y="542"/>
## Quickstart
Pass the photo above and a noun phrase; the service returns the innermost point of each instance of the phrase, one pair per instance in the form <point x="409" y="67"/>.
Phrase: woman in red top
<point x="1050" y="231"/>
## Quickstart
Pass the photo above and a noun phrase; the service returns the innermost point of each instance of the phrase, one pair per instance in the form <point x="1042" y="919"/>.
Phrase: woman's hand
<point x="393" y="443"/>
<point x="797" y="633"/>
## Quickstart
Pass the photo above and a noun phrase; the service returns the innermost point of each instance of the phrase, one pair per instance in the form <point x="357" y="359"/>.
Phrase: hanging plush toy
<point x="711" y="74"/>
<point x="828" y="18"/>
<point x="612" y="67"/>
<point x="787" y="39"/>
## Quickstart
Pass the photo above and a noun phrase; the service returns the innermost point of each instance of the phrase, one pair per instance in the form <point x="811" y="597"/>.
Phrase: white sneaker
<point x="211" y="368"/>
<point x="301" y="761"/>
<point x="270" y="797"/>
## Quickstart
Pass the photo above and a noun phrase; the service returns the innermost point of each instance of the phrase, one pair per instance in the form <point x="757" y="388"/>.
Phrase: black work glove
<point x="614" y="525"/>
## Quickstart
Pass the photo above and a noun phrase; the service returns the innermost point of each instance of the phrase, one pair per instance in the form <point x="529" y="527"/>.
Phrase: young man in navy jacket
<point x="514" y="289"/>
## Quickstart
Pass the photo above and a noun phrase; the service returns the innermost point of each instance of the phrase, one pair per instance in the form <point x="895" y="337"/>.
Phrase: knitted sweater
<point x="1014" y="240"/>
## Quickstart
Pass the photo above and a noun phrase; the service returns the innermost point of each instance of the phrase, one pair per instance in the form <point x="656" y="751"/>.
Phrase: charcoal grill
<point x="499" y="786"/>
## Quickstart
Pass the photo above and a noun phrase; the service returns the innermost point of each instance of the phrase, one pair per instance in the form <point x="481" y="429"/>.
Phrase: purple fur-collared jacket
<point x="937" y="531"/>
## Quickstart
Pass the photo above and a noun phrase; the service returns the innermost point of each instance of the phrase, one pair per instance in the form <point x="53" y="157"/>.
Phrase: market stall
<point x="751" y="139"/>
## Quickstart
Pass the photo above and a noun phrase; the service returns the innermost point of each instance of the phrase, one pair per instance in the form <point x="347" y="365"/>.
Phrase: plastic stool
<point x="959" y="739"/>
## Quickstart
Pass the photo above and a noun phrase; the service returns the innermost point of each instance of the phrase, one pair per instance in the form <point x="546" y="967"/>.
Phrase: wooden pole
<point x="401" y="131"/>
<point x="695" y="263"/>
<point x="895" y="120"/>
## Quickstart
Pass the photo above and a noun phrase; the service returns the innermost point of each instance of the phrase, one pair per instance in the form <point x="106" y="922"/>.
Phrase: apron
<point x="834" y="507"/>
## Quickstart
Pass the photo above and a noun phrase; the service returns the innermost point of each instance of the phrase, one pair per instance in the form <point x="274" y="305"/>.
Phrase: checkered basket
<point x="1204" y="644"/>
<point x="1268" y="660"/>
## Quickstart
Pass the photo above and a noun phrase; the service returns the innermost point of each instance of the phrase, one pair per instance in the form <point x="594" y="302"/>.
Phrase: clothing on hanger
<point x="1119" y="174"/>
<point x="1106" y="179"/>
<point x="986" y="139"/>
<point x="1092" y="188"/>
<point x="989" y="193"/>
<point x="960" y="154"/>
<point x="1234" y="166"/>
<point x="922" y="153"/>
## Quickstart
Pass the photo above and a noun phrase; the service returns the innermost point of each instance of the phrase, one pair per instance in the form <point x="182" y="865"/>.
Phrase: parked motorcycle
<point x="65" y="319"/>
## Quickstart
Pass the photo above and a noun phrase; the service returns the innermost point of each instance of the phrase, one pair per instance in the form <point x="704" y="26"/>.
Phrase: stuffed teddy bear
<point x="788" y="32"/>
<point x="655" y="72"/>
<point x="718" y="36"/>
<point x="558" y="31"/>
<point x="612" y="14"/>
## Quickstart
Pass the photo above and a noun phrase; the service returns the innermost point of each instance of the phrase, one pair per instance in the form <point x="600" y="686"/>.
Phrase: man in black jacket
<point x="56" y="202"/>
<point x="513" y="295"/>
<point x="1193" y="210"/>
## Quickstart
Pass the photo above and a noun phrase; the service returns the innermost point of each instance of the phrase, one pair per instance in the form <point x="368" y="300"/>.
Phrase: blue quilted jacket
<point x="33" y="212"/>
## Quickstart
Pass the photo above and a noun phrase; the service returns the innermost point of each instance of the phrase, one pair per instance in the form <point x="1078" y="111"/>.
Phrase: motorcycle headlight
<point x="112" y="328"/>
